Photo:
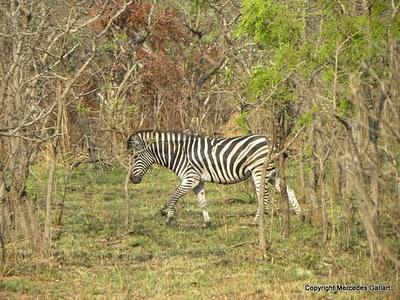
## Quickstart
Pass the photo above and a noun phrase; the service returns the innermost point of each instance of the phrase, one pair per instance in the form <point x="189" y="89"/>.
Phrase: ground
<point x="96" y="256"/>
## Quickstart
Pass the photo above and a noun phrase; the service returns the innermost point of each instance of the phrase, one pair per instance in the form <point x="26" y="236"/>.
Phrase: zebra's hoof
<point x="207" y="224"/>
<point x="305" y="218"/>
<point x="254" y="223"/>
<point x="170" y="221"/>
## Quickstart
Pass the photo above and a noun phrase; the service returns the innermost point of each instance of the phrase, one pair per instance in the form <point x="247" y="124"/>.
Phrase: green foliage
<point x="242" y="121"/>
<point x="263" y="77"/>
<point x="81" y="108"/>
<point x="308" y="117"/>
<point x="199" y="4"/>
<point x="345" y="107"/>
<point x="307" y="150"/>
<point x="351" y="38"/>
<point x="210" y="37"/>
<point x="267" y="22"/>
<point x="132" y="109"/>
<point x="227" y="75"/>
<point x="116" y="103"/>
<point x="111" y="45"/>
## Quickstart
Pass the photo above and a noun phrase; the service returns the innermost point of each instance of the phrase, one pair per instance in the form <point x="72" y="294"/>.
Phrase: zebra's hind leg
<point x="293" y="201"/>
<point x="291" y="197"/>
<point x="201" y="198"/>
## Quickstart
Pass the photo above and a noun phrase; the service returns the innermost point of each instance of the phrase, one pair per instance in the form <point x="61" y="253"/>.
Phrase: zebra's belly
<point x="215" y="178"/>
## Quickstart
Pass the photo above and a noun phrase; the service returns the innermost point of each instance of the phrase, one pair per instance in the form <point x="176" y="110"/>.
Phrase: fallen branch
<point x="243" y="243"/>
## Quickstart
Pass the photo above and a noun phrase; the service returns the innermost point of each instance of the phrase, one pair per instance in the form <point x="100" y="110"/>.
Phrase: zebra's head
<point x="142" y="157"/>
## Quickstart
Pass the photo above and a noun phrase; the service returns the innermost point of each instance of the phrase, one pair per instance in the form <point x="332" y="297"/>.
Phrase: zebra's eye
<point x="138" y="146"/>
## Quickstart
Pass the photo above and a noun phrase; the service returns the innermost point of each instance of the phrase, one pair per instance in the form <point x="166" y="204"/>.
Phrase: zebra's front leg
<point x="201" y="198"/>
<point x="187" y="184"/>
<point x="257" y="216"/>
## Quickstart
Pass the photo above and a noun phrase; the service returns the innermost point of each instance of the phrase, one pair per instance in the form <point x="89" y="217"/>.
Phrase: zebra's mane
<point x="149" y="134"/>
<point x="153" y="135"/>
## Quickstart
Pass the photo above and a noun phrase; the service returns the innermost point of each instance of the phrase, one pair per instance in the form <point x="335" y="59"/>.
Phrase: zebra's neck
<point x="169" y="149"/>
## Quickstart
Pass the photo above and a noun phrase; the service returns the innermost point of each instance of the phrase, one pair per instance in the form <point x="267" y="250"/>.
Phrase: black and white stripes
<point x="196" y="160"/>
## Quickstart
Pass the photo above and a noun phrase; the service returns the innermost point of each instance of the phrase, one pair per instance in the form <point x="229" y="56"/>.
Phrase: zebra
<point x="197" y="159"/>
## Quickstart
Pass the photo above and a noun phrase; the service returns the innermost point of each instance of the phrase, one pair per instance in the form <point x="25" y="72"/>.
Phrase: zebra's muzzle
<point x="136" y="179"/>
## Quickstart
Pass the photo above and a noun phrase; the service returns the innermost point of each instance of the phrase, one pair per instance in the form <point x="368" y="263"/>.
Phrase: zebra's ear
<point x="134" y="144"/>
<point x="128" y="144"/>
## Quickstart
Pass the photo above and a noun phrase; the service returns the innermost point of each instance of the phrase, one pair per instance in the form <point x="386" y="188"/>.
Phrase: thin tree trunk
<point x="377" y="247"/>
<point x="61" y="201"/>
<point x="261" y="194"/>
<point x="4" y="215"/>
<point x="323" y="196"/>
<point x="281" y="171"/>
<point x="284" y="195"/>
<point x="49" y="196"/>
<point x="302" y="176"/>
<point x="127" y="198"/>
<point x="52" y="171"/>
<point x="312" y="181"/>
<point x="261" y="209"/>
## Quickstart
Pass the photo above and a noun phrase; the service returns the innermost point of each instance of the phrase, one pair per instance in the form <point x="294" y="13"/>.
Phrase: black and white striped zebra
<point x="197" y="159"/>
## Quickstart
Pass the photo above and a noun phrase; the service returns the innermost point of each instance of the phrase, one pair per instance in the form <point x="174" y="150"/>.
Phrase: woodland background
<point x="77" y="77"/>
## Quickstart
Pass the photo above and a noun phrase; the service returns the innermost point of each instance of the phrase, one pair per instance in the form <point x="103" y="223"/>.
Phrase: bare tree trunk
<point x="368" y="209"/>
<point x="281" y="170"/>
<point x="49" y="195"/>
<point x="52" y="172"/>
<point x="22" y="211"/>
<point x="4" y="215"/>
<point x="324" y="214"/>
<point x="303" y="188"/>
<point x="127" y="198"/>
<point x="323" y="193"/>
<point x="261" y="207"/>
<point x="60" y="204"/>
<point x="312" y="181"/>
<point x="284" y="195"/>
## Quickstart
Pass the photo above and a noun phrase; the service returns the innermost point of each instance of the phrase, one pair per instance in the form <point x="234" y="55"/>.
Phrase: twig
<point x="243" y="243"/>
<point x="276" y="156"/>
<point x="127" y="200"/>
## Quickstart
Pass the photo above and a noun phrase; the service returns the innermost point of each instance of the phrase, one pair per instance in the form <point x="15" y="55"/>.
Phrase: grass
<point x="95" y="257"/>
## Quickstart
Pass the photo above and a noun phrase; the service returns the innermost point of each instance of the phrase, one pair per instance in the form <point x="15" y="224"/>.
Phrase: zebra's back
<point x="227" y="160"/>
